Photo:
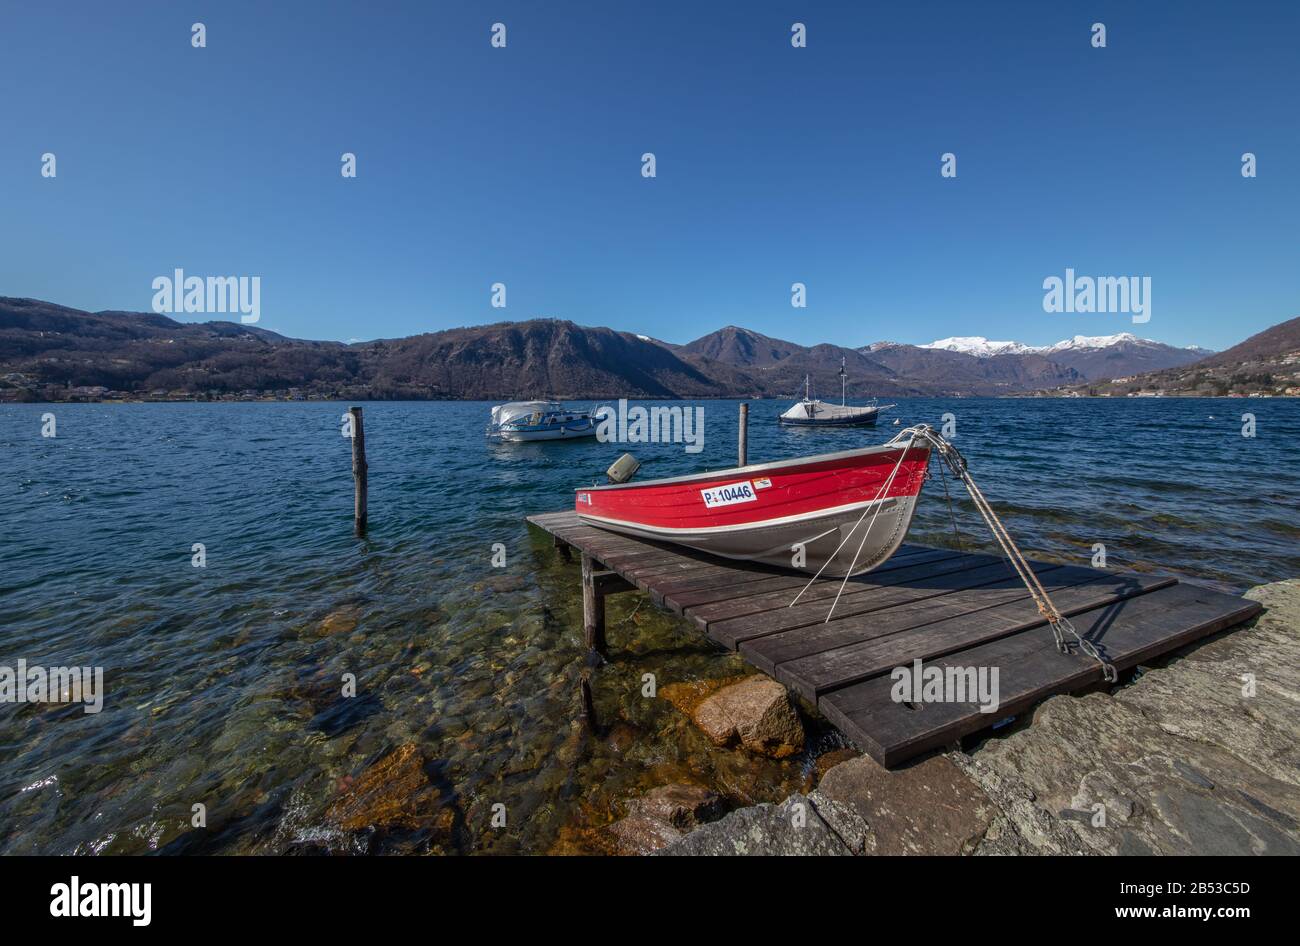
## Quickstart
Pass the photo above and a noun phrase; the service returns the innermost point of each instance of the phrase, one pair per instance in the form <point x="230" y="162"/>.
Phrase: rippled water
<point x="223" y="682"/>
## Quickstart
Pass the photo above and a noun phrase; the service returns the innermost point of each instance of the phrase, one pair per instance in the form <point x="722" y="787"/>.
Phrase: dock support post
<point x="744" y="435"/>
<point x="593" y="607"/>
<point x="360" y="478"/>
<point x="563" y="548"/>
<point x="587" y="707"/>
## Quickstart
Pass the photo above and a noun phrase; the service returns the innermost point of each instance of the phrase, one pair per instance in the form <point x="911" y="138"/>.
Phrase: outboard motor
<point x="623" y="469"/>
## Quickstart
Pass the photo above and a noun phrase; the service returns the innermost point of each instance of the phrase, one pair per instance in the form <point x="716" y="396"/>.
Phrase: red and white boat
<point x="848" y="512"/>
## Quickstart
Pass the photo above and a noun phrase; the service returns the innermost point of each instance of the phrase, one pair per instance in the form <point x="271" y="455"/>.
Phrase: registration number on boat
<point x="729" y="494"/>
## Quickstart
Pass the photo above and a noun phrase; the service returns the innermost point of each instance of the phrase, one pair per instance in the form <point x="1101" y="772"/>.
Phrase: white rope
<point x="865" y="509"/>
<point x="889" y="482"/>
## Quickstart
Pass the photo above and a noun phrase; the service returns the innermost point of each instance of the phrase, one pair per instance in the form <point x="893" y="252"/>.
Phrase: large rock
<point x="794" y="827"/>
<point x="757" y="713"/>
<point x="927" y="808"/>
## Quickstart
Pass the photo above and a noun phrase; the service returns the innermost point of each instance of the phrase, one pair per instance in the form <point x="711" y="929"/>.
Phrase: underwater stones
<point x="504" y="584"/>
<point x="687" y="696"/>
<point x="682" y="806"/>
<point x="658" y="818"/>
<point x="641" y="834"/>
<point x="621" y="737"/>
<point x="755" y="712"/>
<point x="393" y="792"/>
<point x="344" y="620"/>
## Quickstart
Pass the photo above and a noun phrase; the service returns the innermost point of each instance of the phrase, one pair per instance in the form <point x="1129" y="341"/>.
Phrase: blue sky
<point x="775" y="165"/>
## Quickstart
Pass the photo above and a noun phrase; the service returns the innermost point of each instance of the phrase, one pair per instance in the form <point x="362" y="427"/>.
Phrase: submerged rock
<point x="342" y="621"/>
<point x="687" y="696"/>
<point x="682" y="806"/>
<point x="641" y="834"/>
<point x="755" y="712"/>
<point x="393" y="792"/>
<point x="659" y="817"/>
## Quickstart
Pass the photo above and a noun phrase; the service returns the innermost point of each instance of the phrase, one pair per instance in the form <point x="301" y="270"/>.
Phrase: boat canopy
<point x="820" y="410"/>
<point x="515" y="410"/>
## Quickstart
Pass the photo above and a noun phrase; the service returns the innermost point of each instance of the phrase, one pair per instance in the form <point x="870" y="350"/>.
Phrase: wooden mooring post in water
<point x="743" y="447"/>
<point x="597" y="582"/>
<point x="360" y="479"/>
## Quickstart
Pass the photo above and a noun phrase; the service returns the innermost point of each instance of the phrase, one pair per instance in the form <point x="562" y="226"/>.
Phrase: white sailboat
<point x="811" y="412"/>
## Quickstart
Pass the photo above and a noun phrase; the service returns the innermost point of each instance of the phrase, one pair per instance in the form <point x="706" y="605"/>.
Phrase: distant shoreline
<point x="573" y="398"/>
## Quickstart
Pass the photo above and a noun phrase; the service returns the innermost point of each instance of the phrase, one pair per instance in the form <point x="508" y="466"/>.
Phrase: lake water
<point x="223" y="682"/>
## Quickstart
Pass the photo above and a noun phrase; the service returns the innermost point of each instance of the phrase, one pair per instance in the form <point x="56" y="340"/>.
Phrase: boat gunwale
<point x="757" y="467"/>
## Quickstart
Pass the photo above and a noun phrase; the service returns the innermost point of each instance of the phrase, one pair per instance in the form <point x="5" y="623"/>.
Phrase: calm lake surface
<point x="223" y="683"/>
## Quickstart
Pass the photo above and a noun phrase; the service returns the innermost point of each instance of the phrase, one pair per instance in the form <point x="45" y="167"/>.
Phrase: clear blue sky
<point x="775" y="164"/>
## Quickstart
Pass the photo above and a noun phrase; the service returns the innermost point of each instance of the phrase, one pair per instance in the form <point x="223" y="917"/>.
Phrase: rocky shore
<point x="1196" y="755"/>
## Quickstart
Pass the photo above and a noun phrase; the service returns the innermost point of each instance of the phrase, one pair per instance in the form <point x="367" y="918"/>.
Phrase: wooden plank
<point x="941" y="626"/>
<point x="698" y="586"/>
<point x="1031" y="669"/>
<point x="997" y="585"/>
<point x="972" y="573"/>
<point x="707" y="608"/>
<point x="776" y="594"/>
<point x="658" y="568"/>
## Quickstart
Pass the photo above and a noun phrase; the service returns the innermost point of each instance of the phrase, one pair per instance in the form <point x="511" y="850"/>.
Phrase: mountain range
<point x="1265" y="365"/>
<point x="49" y="351"/>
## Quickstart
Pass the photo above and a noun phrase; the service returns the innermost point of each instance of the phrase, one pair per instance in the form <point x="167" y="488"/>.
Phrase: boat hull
<point x="864" y="420"/>
<point x="546" y="433"/>
<point x="831" y="514"/>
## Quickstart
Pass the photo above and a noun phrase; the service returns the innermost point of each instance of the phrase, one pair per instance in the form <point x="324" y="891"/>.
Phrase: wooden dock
<point x="944" y="607"/>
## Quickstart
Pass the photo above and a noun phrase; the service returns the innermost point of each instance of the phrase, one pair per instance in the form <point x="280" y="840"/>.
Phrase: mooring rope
<point x="1060" y="624"/>
<point x="865" y="509"/>
<point x="870" y="525"/>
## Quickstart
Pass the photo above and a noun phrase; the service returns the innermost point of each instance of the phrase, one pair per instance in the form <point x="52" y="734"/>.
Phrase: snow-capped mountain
<point x="979" y="346"/>
<point x="1092" y="356"/>
<point x="982" y="347"/>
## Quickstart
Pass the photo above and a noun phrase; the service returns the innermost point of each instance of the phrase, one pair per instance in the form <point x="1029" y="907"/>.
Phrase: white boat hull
<point x="835" y="542"/>
<point x="561" y="433"/>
